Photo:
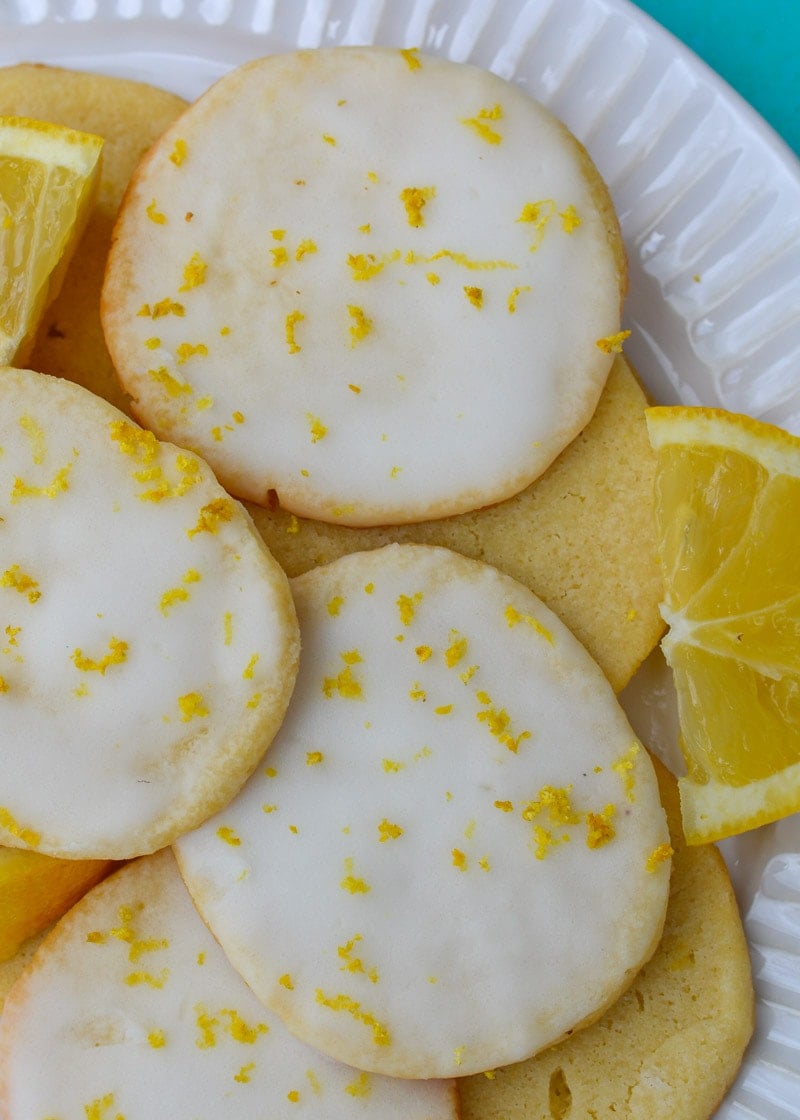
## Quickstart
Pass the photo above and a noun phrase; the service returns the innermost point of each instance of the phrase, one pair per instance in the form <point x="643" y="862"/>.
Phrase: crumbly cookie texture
<point x="361" y="256"/>
<point x="140" y="1014"/>
<point x="454" y="852"/>
<point x="149" y="641"/>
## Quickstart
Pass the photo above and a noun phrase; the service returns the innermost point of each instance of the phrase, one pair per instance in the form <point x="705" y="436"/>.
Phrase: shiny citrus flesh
<point x="36" y="889"/>
<point x="48" y="176"/>
<point x="728" y="524"/>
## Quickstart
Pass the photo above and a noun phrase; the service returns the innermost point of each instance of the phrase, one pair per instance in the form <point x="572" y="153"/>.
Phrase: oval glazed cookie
<point x="149" y="639"/>
<point x="360" y="256"/>
<point x="455" y="851"/>
<point x="140" y="1015"/>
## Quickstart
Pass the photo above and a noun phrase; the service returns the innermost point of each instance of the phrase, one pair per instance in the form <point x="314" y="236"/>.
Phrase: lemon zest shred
<point x="479" y="124"/>
<point x="411" y="55"/>
<point x="211" y="516"/>
<point x="194" y="273"/>
<point x="22" y="582"/>
<point x="345" y="684"/>
<point x="388" y="831"/>
<point x="612" y="343"/>
<point x="179" y="152"/>
<point x="570" y="219"/>
<point x="599" y="829"/>
<point x="155" y="215"/>
<point x="192" y="706"/>
<point x="171" y="597"/>
<point x="514" y="295"/>
<point x="624" y="767"/>
<point x="117" y="654"/>
<point x="27" y="835"/>
<point x="307" y="245"/>
<point x="170" y="384"/>
<point x="342" y="1002"/>
<point x="361" y="325"/>
<point x="58" y="485"/>
<point x="514" y="617"/>
<point x="414" y="199"/>
<point x="292" y="319"/>
<point x="186" y="350"/>
<point x="658" y="856"/>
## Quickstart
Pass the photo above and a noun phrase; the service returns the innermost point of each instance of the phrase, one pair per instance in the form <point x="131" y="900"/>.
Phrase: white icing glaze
<point x="132" y="1010"/>
<point x="340" y="315"/>
<point x="389" y="855"/>
<point x="134" y="633"/>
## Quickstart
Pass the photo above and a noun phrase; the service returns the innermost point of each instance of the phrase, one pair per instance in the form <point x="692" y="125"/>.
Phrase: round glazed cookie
<point x="454" y="852"/>
<point x="149" y="639"/>
<point x="363" y="255"/>
<point x="140" y="1015"/>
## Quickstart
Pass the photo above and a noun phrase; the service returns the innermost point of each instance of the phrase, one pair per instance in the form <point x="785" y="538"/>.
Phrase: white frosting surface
<point x="147" y="638"/>
<point x="359" y="255"/>
<point x="131" y="1010"/>
<point x="452" y="848"/>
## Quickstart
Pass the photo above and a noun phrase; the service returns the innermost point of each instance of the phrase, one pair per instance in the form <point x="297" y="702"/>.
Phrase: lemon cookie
<point x="140" y="1015"/>
<point x="672" y="1045"/>
<point x="149" y="641"/>
<point x="357" y="258"/>
<point x="452" y="854"/>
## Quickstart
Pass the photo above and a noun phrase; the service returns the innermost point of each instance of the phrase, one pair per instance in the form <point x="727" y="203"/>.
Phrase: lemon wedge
<point x="48" y="177"/>
<point x="36" y="889"/>
<point x="728" y="525"/>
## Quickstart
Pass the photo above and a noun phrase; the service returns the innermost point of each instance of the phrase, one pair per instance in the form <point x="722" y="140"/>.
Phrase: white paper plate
<point x="709" y="200"/>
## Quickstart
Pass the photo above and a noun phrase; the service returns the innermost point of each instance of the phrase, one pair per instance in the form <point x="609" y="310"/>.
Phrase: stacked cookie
<point x="369" y="288"/>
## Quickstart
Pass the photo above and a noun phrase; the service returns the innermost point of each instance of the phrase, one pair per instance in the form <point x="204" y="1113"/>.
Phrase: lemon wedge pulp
<point x="728" y="525"/>
<point x="36" y="889"/>
<point x="48" y="177"/>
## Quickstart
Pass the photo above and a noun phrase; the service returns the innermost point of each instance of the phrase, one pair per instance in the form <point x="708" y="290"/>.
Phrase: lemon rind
<point x="714" y="811"/>
<point x="40" y="140"/>
<point x="776" y="450"/>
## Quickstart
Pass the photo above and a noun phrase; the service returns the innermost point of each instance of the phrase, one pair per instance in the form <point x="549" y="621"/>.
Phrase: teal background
<point x="753" y="44"/>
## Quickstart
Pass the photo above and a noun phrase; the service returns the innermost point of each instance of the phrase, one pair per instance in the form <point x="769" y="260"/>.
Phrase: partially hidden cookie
<point x="454" y="853"/>
<point x="384" y="286"/>
<point x="129" y="1008"/>
<point x="149" y="639"/>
